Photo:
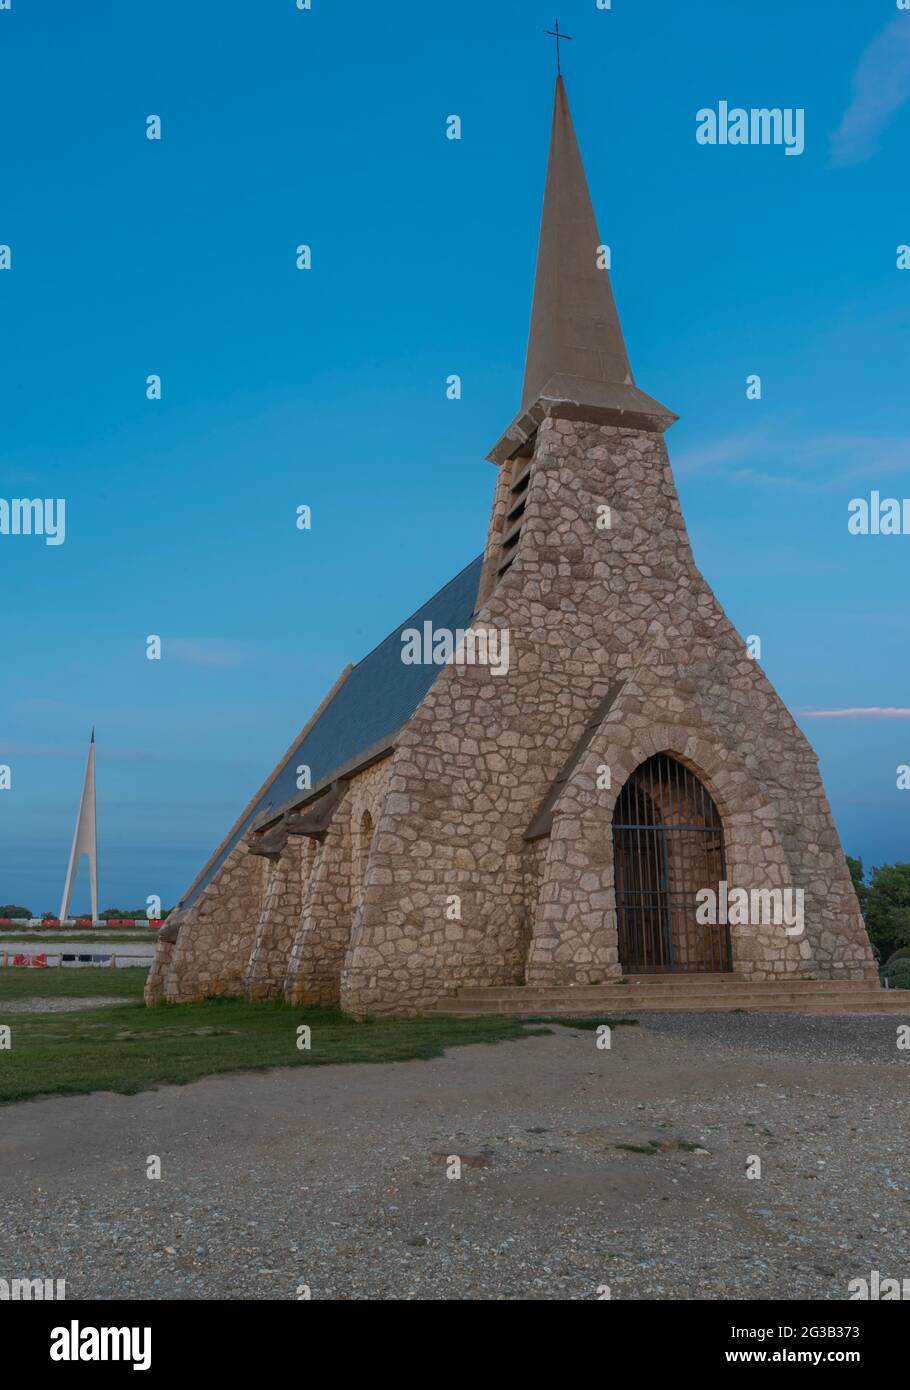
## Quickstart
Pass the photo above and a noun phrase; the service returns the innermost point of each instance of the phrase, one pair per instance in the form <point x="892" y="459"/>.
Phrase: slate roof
<point x="379" y="695"/>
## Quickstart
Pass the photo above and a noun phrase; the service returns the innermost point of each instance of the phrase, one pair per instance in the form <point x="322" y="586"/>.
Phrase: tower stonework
<point x="552" y="816"/>
<point x="588" y="611"/>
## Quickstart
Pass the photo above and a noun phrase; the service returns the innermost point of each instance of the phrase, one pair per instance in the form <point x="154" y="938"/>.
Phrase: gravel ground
<point x="824" y="1037"/>
<point x="335" y="1177"/>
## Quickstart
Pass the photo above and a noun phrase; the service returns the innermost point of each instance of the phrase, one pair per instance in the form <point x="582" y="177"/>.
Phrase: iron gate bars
<point x="668" y="843"/>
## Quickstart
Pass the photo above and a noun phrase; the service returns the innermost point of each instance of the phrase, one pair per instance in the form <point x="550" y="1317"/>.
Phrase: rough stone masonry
<point x="459" y="827"/>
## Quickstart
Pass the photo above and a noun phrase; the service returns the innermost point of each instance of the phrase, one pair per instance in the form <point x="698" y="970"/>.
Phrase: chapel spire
<point x="576" y="350"/>
<point x="575" y="329"/>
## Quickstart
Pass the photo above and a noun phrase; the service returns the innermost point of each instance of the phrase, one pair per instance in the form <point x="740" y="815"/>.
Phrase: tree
<point x="11" y="910"/>
<point x="887" y="908"/>
<point x="900" y="918"/>
<point x="858" y="874"/>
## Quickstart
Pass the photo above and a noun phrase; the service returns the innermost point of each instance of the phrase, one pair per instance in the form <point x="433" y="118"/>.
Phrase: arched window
<point x="668" y="843"/>
<point x="362" y="841"/>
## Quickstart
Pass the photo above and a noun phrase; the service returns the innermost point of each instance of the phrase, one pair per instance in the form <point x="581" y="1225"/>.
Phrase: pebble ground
<point x="581" y="1169"/>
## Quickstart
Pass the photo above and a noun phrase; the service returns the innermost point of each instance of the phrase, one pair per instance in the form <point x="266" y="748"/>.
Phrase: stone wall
<point x="154" y="984"/>
<point x="534" y="863"/>
<point x="586" y="606"/>
<point x="216" y="934"/>
<point x="313" y="974"/>
<point x="425" y="883"/>
<point x="491" y="550"/>
<point x="575" y="936"/>
<point x="271" y="927"/>
<point x="266" y="969"/>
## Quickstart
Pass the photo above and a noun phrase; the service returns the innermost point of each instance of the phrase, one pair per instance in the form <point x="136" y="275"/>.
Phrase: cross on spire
<point x="557" y="34"/>
<point x="576" y="351"/>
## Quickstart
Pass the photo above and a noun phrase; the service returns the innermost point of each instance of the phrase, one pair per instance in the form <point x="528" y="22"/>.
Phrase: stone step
<point x="625" y="1001"/>
<point x="563" y="1012"/>
<point x="775" y="1006"/>
<point x="666" y="985"/>
<point x="643" y="1001"/>
<point x="720" y="981"/>
<point x="797" y="996"/>
<point x="617" y="997"/>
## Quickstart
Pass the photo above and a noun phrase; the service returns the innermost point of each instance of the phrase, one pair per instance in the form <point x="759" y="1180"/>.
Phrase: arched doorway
<point x="668" y="843"/>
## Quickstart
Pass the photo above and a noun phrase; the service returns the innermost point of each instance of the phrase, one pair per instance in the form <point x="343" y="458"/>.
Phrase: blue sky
<point x="327" y="387"/>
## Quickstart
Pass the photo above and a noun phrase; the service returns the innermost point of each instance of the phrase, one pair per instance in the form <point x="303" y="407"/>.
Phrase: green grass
<point x="128" y="1048"/>
<point x="20" y="982"/>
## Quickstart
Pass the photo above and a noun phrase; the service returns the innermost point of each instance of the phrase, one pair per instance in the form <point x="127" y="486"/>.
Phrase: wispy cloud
<point x="207" y="651"/>
<point x="815" y="463"/>
<point x="857" y="712"/>
<point x="720" y="453"/>
<point x="881" y="86"/>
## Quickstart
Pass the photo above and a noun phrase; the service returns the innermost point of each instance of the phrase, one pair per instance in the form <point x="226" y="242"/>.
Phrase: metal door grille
<point x="668" y="843"/>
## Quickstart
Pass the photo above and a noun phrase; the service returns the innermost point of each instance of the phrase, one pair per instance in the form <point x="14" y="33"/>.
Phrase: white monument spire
<point x="85" y="839"/>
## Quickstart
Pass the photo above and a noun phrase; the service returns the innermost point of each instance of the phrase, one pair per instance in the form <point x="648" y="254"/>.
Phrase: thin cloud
<point x="719" y="453"/>
<point x="881" y="86"/>
<point x="817" y="463"/>
<point x="856" y="712"/>
<point x="755" y="478"/>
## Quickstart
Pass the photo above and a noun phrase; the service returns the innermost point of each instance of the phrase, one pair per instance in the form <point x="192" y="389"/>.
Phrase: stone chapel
<point x="467" y="830"/>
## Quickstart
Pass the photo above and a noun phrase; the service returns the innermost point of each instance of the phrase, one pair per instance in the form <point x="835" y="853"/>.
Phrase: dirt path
<point x="335" y="1177"/>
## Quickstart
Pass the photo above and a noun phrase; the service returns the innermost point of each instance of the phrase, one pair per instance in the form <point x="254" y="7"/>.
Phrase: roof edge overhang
<point x="571" y="398"/>
<point x="271" y="815"/>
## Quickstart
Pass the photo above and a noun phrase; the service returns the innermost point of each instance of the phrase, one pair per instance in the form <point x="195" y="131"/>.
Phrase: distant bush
<point x="898" y="974"/>
<point x="886" y="907"/>
<point x="20" y="913"/>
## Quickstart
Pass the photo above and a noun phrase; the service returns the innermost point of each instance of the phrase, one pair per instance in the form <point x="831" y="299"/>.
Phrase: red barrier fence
<point x="40" y="961"/>
<point x="31" y="924"/>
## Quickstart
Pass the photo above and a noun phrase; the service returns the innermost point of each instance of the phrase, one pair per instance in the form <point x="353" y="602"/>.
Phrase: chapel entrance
<point x="668" y="842"/>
